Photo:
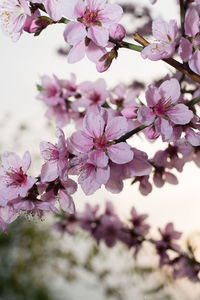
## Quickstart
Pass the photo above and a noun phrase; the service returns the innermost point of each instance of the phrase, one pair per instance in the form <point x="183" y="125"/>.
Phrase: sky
<point x="21" y="66"/>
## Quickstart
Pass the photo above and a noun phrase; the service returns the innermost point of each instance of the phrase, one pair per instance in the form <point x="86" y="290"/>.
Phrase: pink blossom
<point x="164" y="109"/>
<point x="81" y="48"/>
<point x="193" y="137"/>
<point x="91" y="94"/>
<point x="165" y="35"/>
<point x="124" y="97"/>
<point x="69" y="86"/>
<point x="189" y="46"/>
<point x="88" y="217"/>
<point x="64" y="196"/>
<point x="90" y="32"/>
<point x="37" y="202"/>
<point x="93" y="19"/>
<point x="144" y="185"/>
<point x="13" y="15"/>
<point x="138" y="166"/>
<point x="97" y="137"/>
<point x="51" y="91"/>
<point x="91" y="176"/>
<point x="56" y="157"/>
<point x="140" y="227"/>
<point x="14" y="180"/>
<point x="58" y="113"/>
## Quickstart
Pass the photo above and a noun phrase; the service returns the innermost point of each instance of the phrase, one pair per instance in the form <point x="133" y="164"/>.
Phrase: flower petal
<point x="120" y="153"/>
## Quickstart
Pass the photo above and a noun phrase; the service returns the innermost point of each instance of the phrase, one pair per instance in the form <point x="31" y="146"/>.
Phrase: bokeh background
<point x="62" y="267"/>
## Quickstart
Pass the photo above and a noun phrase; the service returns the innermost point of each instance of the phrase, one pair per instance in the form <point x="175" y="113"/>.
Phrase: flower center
<point x="10" y="16"/>
<point x="95" y="97"/>
<point x="162" y="107"/>
<point x="101" y="143"/>
<point x="52" y="91"/>
<point x="16" y="177"/>
<point x="90" y="17"/>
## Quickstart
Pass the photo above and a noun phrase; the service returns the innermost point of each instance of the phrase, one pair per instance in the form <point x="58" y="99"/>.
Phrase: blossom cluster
<point x="108" y="228"/>
<point x="90" y="24"/>
<point x="98" y="153"/>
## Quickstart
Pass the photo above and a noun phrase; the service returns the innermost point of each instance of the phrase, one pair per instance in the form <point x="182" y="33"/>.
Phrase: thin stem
<point x="130" y="134"/>
<point x="182" y="17"/>
<point x="172" y="62"/>
<point x="122" y="44"/>
<point x="193" y="102"/>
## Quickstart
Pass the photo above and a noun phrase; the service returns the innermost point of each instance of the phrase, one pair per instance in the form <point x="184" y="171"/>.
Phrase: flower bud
<point x="117" y="32"/>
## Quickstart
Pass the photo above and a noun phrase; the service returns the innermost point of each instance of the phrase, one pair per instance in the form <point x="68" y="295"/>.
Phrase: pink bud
<point x="117" y="32"/>
<point x="105" y="61"/>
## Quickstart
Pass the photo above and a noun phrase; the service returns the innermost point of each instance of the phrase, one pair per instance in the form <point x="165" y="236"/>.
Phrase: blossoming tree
<point x="98" y="153"/>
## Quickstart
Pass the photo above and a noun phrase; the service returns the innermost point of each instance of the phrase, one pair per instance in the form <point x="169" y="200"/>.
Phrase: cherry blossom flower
<point x="13" y="175"/>
<point x="92" y="93"/>
<point x="165" y="34"/>
<point x="163" y="108"/>
<point x="90" y="32"/>
<point x="51" y="91"/>
<point x="56" y="157"/>
<point x="189" y="45"/>
<point x="91" y="176"/>
<point x="13" y="16"/>
<point x="97" y="137"/>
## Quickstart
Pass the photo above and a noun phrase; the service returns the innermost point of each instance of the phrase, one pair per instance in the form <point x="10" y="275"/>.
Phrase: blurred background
<point x="37" y="262"/>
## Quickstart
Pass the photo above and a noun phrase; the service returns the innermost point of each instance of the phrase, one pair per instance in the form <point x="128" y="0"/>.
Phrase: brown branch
<point x="172" y="62"/>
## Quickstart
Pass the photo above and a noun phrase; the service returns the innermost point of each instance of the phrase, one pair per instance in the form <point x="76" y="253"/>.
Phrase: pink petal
<point x="81" y="141"/>
<point x="111" y="13"/>
<point x="180" y="114"/>
<point x="152" y="95"/>
<point x="54" y="9"/>
<point x="74" y="33"/>
<point x="99" y="35"/>
<point x="26" y="161"/>
<point x="171" y="178"/>
<point x="173" y="29"/>
<point x="24" y="205"/>
<point x="68" y="9"/>
<point x="77" y="52"/>
<point x="185" y="49"/>
<point x="94" y="125"/>
<point x="49" y="171"/>
<point x="193" y="137"/>
<point x="10" y="160"/>
<point x="170" y="89"/>
<point x="115" y="128"/>
<point x="160" y="30"/>
<point x="98" y="158"/>
<point x="102" y="175"/>
<point x="87" y="180"/>
<point x="23" y="191"/>
<point x="163" y="127"/>
<point x="154" y="51"/>
<point x="94" y="52"/>
<point x="145" y="115"/>
<point x="191" y="22"/>
<point x="66" y="202"/>
<point x="120" y="153"/>
<point x="194" y="62"/>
